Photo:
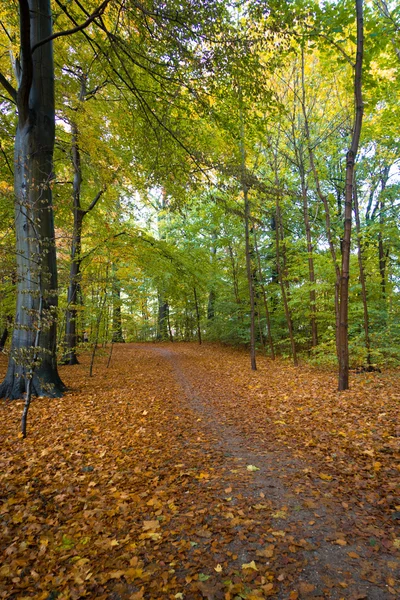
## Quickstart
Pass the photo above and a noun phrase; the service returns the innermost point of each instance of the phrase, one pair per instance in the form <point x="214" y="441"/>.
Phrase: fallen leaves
<point x="252" y="468"/>
<point x="112" y="494"/>
<point x="250" y="565"/>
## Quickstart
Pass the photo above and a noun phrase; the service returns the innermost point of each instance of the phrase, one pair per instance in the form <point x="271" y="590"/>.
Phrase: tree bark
<point x="282" y="286"/>
<point x="34" y="223"/>
<point x="198" y="323"/>
<point x="249" y="270"/>
<point x="323" y="198"/>
<point x="362" y="277"/>
<point x="264" y="295"/>
<point x="343" y="383"/>
<point x="117" y="335"/>
<point x="71" y="315"/>
<point x="162" y="320"/>
<point x="310" y="258"/>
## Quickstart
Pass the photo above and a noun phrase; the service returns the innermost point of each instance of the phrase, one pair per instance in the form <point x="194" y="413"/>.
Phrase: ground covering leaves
<point x="179" y="473"/>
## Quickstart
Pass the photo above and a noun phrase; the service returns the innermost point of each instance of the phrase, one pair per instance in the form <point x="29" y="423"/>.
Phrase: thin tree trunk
<point x="343" y="383"/>
<point x="323" y="198"/>
<point x="117" y="335"/>
<point x="362" y="276"/>
<point x="234" y="276"/>
<point x="71" y="316"/>
<point x="197" y="315"/>
<point x="4" y="335"/>
<point x="97" y="333"/>
<point x="267" y="315"/>
<point x="282" y="286"/>
<point x="29" y="376"/>
<point x="247" y="216"/>
<point x="110" y="354"/>
<point x="212" y="294"/>
<point x="171" y="337"/>
<point x="311" y="272"/>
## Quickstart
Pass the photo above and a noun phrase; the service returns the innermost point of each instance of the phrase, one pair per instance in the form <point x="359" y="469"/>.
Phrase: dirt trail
<point x="326" y="564"/>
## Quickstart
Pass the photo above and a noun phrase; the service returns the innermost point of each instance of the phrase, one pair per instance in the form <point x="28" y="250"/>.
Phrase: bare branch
<point x="8" y="87"/>
<point x="95" y="200"/>
<point x="96" y="13"/>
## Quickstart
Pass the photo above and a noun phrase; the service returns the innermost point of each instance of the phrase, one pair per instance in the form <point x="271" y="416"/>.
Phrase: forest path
<point x="328" y="534"/>
<point x="135" y="485"/>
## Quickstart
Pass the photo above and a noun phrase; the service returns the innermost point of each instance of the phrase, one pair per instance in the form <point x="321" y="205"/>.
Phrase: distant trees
<point x="239" y="123"/>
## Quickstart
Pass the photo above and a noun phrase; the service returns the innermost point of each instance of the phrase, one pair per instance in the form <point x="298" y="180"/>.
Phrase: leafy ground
<point x="179" y="473"/>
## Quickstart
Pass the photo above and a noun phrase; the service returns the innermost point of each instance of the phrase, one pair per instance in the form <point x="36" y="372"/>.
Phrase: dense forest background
<point x="198" y="179"/>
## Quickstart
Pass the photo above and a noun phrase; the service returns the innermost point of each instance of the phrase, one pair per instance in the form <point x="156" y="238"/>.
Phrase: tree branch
<point x="95" y="201"/>
<point x="6" y="160"/>
<point x="96" y="13"/>
<point x="8" y="87"/>
<point x="25" y="82"/>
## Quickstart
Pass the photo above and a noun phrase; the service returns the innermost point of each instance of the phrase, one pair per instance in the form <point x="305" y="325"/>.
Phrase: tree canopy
<point x="200" y="185"/>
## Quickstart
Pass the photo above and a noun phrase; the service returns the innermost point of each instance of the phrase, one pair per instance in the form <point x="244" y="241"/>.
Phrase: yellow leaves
<point x="252" y="468"/>
<point x="306" y="588"/>
<point x="5" y="571"/>
<point x="133" y="573"/>
<point x="396" y="543"/>
<point x="279" y="514"/>
<point x="137" y="595"/>
<point x="150" y="528"/>
<point x="369" y="453"/>
<point x="218" y="568"/>
<point x="151" y="525"/>
<point x="204" y="533"/>
<point x="341" y="542"/>
<point x="267" y="552"/>
<point x="251" y="565"/>
<point x="279" y="533"/>
<point x="325" y="477"/>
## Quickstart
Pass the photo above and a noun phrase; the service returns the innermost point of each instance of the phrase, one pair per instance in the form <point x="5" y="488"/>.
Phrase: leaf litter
<point x="136" y="483"/>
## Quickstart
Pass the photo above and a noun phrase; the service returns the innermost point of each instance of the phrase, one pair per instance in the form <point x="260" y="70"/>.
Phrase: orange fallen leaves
<point x="121" y="489"/>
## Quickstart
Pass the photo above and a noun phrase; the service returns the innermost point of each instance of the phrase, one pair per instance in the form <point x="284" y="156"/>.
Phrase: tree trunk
<point x="4" y="335"/>
<point x="343" y="383"/>
<point x="71" y="315"/>
<point x="362" y="277"/>
<point x="310" y="257"/>
<point x="117" y="335"/>
<point x="323" y="198"/>
<point x="72" y="312"/>
<point x="162" y="320"/>
<point x="234" y="277"/>
<point x="249" y="270"/>
<point x="197" y="315"/>
<point x="264" y="295"/>
<point x="34" y="224"/>
<point x="282" y="286"/>
<point x="212" y="294"/>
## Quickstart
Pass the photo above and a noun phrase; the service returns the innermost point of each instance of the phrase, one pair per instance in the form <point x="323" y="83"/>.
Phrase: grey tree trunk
<point x="72" y="312"/>
<point x="34" y="224"/>
<point x="343" y="383"/>
<point x="362" y="276"/>
<point x="117" y="335"/>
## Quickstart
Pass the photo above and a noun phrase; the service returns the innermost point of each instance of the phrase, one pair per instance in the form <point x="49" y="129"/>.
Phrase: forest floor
<point x="179" y="473"/>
